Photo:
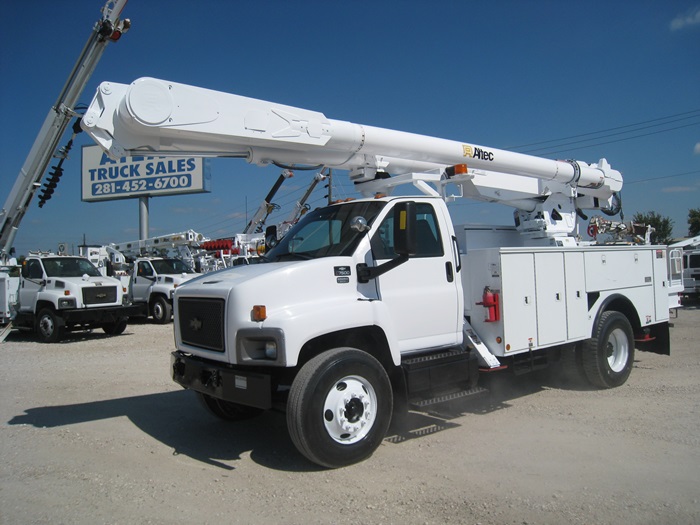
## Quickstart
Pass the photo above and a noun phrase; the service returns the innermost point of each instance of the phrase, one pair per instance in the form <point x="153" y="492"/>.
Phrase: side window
<point x="32" y="270"/>
<point x="145" y="269"/>
<point x="427" y="235"/>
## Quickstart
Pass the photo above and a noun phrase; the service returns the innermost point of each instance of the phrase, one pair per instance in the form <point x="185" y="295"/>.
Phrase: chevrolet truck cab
<point x="59" y="294"/>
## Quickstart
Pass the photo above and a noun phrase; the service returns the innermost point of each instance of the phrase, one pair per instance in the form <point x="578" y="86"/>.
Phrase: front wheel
<point x="161" y="310"/>
<point x="609" y="355"/>
<point x="116" y="327"/>
<point x="339" y="407"/>
<point x="49" y="326"/>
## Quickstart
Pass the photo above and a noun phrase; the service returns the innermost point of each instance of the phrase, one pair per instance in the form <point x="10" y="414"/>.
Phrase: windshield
<point x="170" y="266"/>
<point x="69" y="267"/>
<point x="325" y="232"/>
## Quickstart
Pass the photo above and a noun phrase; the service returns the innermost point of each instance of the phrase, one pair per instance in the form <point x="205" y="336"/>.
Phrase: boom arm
<point x="157" y="116"/>
<point x="266" y="207"/>
<point x="108" y="29"/>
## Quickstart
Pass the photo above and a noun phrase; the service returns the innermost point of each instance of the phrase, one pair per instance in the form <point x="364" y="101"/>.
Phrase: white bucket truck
<point x="368" y="307"/>
<point x="109" y="28"/>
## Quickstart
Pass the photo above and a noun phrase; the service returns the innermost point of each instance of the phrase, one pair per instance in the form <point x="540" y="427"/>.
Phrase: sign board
<point x="107" y="179"/>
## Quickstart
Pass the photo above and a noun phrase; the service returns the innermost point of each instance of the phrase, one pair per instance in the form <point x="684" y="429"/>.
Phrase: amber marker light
<point x="259" y="312"/>
<point x="457" y="169"/>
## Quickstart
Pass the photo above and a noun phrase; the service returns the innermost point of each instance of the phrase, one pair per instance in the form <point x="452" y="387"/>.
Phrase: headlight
<point x="66" y="302"/>
<point x="271" y="350"/>
<point x="260" y="344"/>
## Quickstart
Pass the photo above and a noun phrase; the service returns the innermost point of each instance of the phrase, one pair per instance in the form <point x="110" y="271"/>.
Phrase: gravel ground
<point x="94" y="431"/>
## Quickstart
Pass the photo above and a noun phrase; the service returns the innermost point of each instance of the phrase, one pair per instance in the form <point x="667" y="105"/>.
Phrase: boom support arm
<point x="106" y="30"/>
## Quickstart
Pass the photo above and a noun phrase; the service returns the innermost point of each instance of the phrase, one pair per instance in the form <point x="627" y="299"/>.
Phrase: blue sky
<point x="621" y="77"/>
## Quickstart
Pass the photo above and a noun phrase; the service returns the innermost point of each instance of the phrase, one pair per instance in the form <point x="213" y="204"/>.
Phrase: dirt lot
<point x="94" y="431"/>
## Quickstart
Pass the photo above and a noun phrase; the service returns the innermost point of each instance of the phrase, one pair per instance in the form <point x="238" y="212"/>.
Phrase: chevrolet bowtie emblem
<point x="196" y="324"/>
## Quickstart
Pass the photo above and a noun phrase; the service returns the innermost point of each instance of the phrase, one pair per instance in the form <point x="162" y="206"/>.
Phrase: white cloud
<point x="690" y="18"/>
<point x="696" y="149"/>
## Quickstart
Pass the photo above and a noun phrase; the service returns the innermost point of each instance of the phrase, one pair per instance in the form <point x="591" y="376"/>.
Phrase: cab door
<point x="423" y="296"/>
<point x="142" y="281"/>
<point x="31" y="285"/>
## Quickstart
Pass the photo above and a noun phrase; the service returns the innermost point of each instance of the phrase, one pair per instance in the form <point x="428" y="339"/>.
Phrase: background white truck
<point x="152" y="282"/>
<point x="62" y="293"/>
<point x="151" y="279"/>
<point x="369" y="307"/>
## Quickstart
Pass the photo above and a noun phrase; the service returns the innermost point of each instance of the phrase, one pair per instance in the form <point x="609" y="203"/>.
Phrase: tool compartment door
<point x="550" y="298"/>
<point x="518" y="301"/>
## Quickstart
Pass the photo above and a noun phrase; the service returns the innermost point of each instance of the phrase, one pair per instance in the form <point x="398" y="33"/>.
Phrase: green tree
<point x="663" y="226"/>
<point x="693" y="222"/>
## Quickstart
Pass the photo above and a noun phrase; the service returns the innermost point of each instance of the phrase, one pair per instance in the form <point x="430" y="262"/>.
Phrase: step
<point x="423" y="403"/>
<point x="427" y="359"/>
<point x="5" y="331"/>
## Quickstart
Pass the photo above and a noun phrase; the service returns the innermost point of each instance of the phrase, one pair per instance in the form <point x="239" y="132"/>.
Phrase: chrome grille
<point x="99" y="294"/>
<point x="202" y="322"/>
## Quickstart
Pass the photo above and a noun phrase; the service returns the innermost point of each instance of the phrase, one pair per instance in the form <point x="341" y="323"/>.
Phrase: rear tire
<point x="49" y="326"/>
<point x="339" y="407"/>
<point x="608" y="356"/>
<point x="227" y="410"/>
<point x="161" y="310"/>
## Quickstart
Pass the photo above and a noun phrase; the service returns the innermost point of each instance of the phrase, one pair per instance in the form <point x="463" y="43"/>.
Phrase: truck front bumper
<point x="106" y="314"/>
<point x="222" y="381"/>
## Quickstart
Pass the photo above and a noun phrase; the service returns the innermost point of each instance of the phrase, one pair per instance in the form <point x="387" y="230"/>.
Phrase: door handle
<point x="458" y="259"/>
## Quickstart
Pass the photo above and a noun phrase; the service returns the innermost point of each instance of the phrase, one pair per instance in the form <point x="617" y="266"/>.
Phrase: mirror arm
<point x="366" y="273"/>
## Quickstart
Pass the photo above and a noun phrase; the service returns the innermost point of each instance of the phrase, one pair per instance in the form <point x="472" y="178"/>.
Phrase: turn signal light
<point x="259" y="312"/>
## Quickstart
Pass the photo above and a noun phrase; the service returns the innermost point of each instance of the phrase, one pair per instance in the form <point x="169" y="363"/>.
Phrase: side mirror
<point x="359" y="224"/>
<point x="405" y="229"/>
<point x="271" y="237"/>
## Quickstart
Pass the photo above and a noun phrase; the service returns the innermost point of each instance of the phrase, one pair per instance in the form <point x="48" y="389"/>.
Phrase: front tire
<point x="339" y="407"/>
<point x="115" y="328"/>
<point x="161" y="310"/>
<point x="609" y="355"/>
<point x="49" y="326"/>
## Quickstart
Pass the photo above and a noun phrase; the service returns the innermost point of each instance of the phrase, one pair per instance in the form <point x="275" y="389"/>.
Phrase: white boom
<point x="108" y="29"/>
<point x="152" y="115"/>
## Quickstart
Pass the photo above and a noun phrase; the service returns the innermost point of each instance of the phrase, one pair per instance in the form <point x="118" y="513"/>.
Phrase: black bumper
<point x="222" y="381"/>
<point x="107" y="314"/>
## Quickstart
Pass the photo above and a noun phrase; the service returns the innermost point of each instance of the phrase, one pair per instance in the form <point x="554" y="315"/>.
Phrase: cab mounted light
<point x="259" y="312"/>
<point x="457" y="169"/>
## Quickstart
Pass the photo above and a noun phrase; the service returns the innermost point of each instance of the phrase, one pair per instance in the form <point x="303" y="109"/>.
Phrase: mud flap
<point x="657" y="340"/>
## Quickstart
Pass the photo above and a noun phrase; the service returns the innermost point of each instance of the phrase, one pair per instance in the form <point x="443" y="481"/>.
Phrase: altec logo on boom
<point x="476" y="153"/>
